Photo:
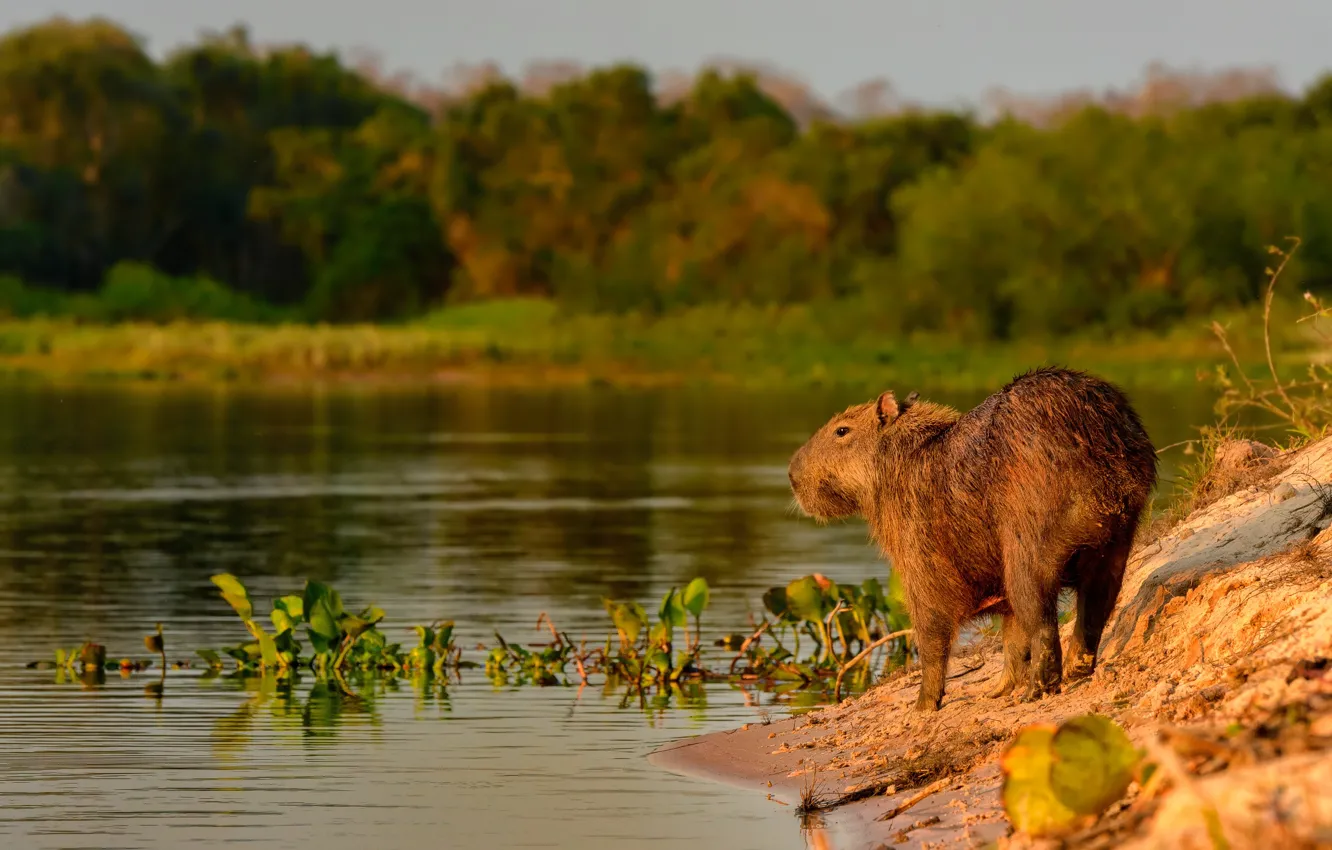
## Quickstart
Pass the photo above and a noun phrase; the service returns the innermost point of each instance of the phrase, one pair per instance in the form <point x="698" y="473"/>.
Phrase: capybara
<point x="996" y="510"/>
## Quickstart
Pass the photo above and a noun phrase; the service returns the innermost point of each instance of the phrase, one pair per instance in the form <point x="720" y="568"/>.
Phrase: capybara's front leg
<point x="934" y="640"/>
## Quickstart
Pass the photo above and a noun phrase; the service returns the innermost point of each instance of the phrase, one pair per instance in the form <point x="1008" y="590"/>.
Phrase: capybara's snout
<point x="793" y="468"/>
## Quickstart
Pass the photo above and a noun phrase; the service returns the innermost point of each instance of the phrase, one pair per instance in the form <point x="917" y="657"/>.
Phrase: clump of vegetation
<point x="1222" y="459"/>
<point x="839" y="627"/>
<point x="1303" y="406"/>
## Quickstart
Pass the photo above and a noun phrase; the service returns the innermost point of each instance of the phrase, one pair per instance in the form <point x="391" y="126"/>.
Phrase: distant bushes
<point x="136" y="292"/>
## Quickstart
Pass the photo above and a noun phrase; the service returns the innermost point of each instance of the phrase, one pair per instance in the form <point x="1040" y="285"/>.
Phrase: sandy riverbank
<point x="1219" y="653"/>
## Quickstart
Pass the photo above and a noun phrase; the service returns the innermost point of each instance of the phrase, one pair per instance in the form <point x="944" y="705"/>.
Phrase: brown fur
<point x="1038" y="488"/>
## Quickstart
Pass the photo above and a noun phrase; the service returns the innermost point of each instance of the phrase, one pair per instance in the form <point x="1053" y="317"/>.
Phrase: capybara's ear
<point x="910" y="400"/>
<point x="886" y="408"/>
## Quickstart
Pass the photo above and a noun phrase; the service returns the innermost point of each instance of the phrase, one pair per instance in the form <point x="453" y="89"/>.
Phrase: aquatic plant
<point x="314" y="631"/>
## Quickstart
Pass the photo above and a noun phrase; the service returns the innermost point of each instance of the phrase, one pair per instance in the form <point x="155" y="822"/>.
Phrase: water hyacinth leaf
<point x="629" y="618"/>
<point x="805" y="600"/>
<point x="316" y="592"/>
<point x="268" y="651"/>
<point x="444" y="636"/>
<point x="853" y="625"/>
<point x="872" y="592"/>
<point x="281" y="621"/>
<point x="774" y="599"/>
<point x="426" y="634"/>
<point x="672" y="610"/>
<point x="896" y="594"/>
<point x="208" y="655"/>
<point x="372" y="614"/>
<point x="695" y="596"/>
<point x="321" y="644"/>
<point x="1029" y="800"/>
<point x="285" y="641"/>
<point x="321" y="620"/>
<point x="1093" y="763"/>
<point x="355" y="626"/>
<point x="660" y="660"/>
<point x="293" y="606"/>
<point x="662" y="633"/>
<point x="235" y="594"/>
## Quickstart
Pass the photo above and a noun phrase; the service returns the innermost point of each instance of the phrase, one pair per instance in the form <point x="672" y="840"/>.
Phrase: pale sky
<point x="936" y="51"/>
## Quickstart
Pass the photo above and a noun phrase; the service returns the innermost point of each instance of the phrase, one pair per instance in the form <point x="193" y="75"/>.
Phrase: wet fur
<point x="1038" y="488"/>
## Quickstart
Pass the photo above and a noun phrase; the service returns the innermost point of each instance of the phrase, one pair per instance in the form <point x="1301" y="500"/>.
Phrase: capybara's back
<point x="1062" y="450"/>
<point x="1040" y="487"/>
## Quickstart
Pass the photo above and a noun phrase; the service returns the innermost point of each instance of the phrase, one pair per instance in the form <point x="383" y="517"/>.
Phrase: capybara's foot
<point x="1036" y="692"/>
<point x="1003" y="686"/>
<point x="1044" y="679"/>
<point x="926" y="704"/>
<point x="1079" y="667"/>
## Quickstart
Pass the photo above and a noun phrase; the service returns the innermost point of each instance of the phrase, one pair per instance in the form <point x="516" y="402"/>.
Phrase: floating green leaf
<point x="662" y="633"/>
<point x="672" y="610"/>
<point x="293" y="606"/>
<point x="208" y="655"/>
<point x="321" y="621"/>
<point x="695" y="596"/>
<point x="774" y="599"/>
<point x="355" y="626"/>
<point x="629" y="618"/>
<point x="319" y="592"/>
<point x="235" y="594"/>
<point x="1093" y="763"/>
<point x="268" y="651"/>
<point x="281" y="621"/>
<point x="805" y="600"/>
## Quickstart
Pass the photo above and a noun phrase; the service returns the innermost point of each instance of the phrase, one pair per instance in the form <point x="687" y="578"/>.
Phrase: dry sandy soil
<point x="1217" y="660"/>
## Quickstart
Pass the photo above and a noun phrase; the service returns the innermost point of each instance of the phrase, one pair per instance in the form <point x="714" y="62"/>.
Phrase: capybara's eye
<point x="843" y="431"/>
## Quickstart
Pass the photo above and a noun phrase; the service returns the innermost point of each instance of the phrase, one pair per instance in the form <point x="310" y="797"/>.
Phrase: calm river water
<point x="486" y="506"/>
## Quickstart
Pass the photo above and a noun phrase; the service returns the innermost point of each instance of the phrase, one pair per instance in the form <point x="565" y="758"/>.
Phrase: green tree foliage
<point x="290" y="179"/>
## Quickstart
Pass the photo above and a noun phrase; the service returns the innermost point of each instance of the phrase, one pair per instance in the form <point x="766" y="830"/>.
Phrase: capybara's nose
<point x="793" y="468"/>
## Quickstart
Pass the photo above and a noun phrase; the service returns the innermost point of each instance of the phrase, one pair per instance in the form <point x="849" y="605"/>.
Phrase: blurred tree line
<point x="289" y="178"/>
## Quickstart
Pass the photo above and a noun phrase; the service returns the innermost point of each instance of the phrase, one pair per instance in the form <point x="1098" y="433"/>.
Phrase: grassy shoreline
<point x="530" y="342"/>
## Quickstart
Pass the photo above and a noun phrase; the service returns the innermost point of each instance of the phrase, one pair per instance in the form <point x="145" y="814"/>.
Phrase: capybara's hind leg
<point x="1100" y="575"/>
<point x="1017" y="658"/>
<point x="1032" y="585"/>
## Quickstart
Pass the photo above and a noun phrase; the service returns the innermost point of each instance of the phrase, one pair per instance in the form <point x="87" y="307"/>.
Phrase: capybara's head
<point x="834" y="472"/>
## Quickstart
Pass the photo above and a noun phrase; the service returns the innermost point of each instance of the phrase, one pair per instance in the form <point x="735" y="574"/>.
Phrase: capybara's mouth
<point x="824" y="502"/>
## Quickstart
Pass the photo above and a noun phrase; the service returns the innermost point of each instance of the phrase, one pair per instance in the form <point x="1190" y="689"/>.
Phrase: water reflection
<point x="485" y="507"/>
